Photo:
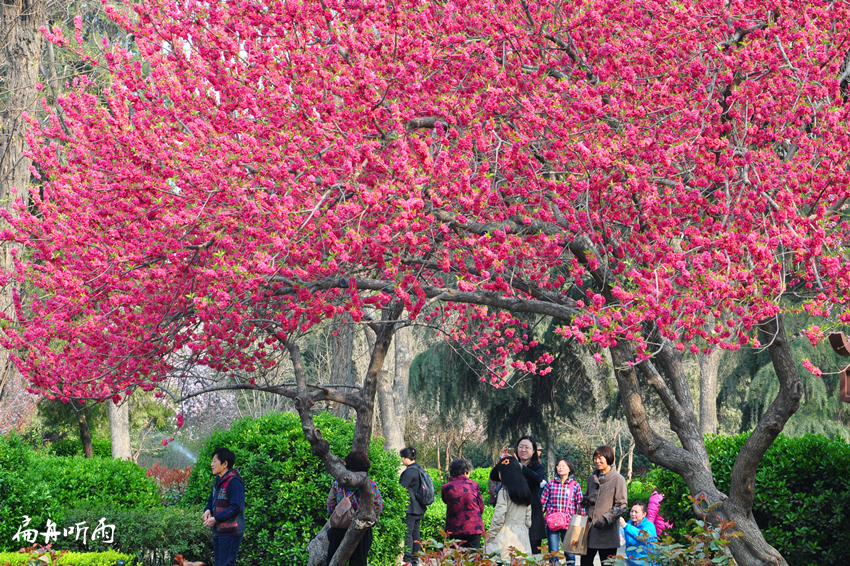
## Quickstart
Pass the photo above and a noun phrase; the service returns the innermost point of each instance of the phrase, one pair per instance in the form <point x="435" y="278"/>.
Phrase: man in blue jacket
<point x="225" y="510"/>
<point x="640" y="535"/>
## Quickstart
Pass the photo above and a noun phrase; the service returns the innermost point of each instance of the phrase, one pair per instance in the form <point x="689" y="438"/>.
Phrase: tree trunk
<point x="119" y="429"/>
<point x="709" y="365"/>
<point x="85" y="434"/>
<point x="690" y="460"/>
<point x="393" y="393"/>
<point x="21" y="20"/>
<point x="342" y="362"/>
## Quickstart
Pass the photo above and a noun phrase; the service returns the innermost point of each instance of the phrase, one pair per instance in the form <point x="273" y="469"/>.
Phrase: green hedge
<point x="108" y="558"/>
<point x="435" y="519"/>
<point x="44" y="487"/>
<point x="155" y="535"/>
<point x="74" y="447"/>
<point x="802" y="495"/>
<point x="287" y="487"/>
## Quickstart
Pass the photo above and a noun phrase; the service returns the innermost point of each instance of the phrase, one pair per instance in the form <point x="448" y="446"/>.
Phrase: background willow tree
<point x="256" y="167"/>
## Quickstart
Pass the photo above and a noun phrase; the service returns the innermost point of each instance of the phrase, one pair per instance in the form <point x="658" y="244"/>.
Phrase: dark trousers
<point x="604" y="554"/>
<point x="225" y="549"/>
<point x="412" y="538"/>
<point x="361" y="551"/>
<point x="467" y="541"/>
<point x="535" y="545"/>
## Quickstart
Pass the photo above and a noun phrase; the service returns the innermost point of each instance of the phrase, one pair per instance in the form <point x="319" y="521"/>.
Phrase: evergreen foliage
<point x="286" y="487"/>
<point x="802" y="502"/>
<point x="451" y="380"/>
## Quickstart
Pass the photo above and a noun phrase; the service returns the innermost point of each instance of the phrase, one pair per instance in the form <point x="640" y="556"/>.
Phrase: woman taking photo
<point x="512" y="515"/>
<point x="562" y="495"/>
<point x="605" y="501"/>
<point x="535" y="476"/>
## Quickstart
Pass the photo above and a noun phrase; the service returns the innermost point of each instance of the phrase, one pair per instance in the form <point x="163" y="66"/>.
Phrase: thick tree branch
<point x="742" y="491"/>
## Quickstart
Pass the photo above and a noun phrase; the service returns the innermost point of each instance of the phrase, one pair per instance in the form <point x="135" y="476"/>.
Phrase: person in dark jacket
<point x="356" y="461"/>
<point x="415" y="511"/>
<point x="605" y="501"/>
<point x="225" y="509"/>
<point x="535" y="476"/>
<point x="464" y="506"/>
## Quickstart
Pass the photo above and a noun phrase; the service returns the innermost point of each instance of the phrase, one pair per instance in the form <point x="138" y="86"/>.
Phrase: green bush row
<point x="74" y="447"/>
<point x="155" y="535"/>
<point x="802" y="495"/>
<point x="287" y="487"/>
<point x="435" y="520"/>
<point x="44" y="487"/>
<point x="107" y="558"/>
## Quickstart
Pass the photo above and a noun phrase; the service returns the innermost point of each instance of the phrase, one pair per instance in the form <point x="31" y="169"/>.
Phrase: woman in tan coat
<point x="605" y="501"/>
<point x="512" y="515"/>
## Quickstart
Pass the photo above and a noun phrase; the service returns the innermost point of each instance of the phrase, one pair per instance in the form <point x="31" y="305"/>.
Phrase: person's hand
<point x="210" y="522"/>
<point x="504" y="452"/>
<point x="600" y="523"/>
<point x="206" y="515"/>
<point x="622" y="522"/>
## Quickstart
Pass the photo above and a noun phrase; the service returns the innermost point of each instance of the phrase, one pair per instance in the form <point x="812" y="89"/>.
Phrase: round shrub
<point x="43" y="487"/>
<point x="286" y="487"/>
<point x="802" y="495"/>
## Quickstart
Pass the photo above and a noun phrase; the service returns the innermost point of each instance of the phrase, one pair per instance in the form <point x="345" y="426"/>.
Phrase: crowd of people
<point x="528" y="508"/>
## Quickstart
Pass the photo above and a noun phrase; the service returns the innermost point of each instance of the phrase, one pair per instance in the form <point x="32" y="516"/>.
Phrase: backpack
<point x="343" y="513"/>
<point x="495" y="486"/>
<point x="425" y="494"/>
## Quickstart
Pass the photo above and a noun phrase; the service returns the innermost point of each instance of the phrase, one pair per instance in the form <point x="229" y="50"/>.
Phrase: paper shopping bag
<point x="576" y="540"/>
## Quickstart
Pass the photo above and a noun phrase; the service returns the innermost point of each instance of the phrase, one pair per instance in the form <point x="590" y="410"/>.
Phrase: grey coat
<point x="609" y="493"/>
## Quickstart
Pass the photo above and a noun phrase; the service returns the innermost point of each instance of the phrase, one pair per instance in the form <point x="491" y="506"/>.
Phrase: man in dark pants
<point x="415" y="510"/>
<point x="225" y="510"/>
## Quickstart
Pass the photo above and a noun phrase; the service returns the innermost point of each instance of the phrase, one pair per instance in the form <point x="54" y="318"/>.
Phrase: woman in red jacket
<point x="464" y="506"/>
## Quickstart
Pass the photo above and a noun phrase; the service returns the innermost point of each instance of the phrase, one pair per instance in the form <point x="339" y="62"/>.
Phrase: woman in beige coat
<point x="512" y="515"/>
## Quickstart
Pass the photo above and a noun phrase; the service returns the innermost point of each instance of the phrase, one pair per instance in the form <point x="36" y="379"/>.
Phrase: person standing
<point x="464" y="506"/>
<point x="356" y="461"/>
<point x="512" y="515"/>
<point x="652" y="513"/>
<point x="225" y="509"/>
<point x="561" y="495"/>
<point x="605" y="501"/>
<point x="415" y="510"/>
<point x="535" y="476"/>
<point x="640" y="535"/>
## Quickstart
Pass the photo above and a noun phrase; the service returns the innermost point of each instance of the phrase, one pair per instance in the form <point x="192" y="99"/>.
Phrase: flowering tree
<point x="660" y="178"/>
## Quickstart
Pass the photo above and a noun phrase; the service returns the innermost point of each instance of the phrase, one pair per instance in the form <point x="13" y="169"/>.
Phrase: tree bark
<point x="342" y="362"/>
<point x="691" y="459"/>
<point x="85" y="434"/>
<point x="21" y="20"/>
<point x="119" y="429"/>
<point x="393" y="393"/>
<point x="364" y="404"/>
<point x="709" y="365"/>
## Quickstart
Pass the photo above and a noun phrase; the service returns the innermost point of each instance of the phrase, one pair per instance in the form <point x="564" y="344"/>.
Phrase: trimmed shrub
<point x="802" y="495"/>
<point x="171" y="482"/>
<point x="154" y="535"/>
<point x="43" y="487"/>
<point x="435" y="520"/>
<point x="437" y="479"/>
<point x="287" y="487"/>
<point x="108" y="558"/>
<point x="639" y="491"/>
<point x="482" y="477"/>
<point x="74" y="447"/>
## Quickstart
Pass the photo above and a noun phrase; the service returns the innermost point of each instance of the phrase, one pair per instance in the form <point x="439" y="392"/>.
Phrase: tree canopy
<point x="653" y="176"/>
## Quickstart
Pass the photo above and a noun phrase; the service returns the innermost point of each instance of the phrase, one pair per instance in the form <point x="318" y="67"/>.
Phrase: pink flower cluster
<point x="259" y="167"/>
